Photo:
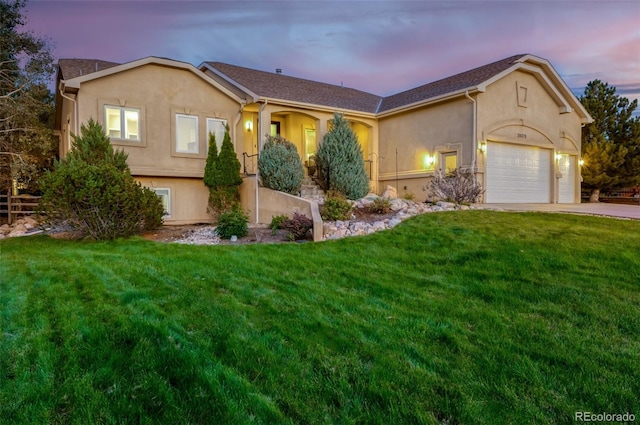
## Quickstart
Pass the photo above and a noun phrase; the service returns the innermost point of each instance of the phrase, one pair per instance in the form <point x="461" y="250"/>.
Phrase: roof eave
<point x="316" y="107"/>
<point x="431" y="101"/>
<point x="254" y="96"/>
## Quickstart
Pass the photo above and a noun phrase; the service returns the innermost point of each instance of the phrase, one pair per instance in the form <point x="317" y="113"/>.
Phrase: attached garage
<point x="517" y="173"/>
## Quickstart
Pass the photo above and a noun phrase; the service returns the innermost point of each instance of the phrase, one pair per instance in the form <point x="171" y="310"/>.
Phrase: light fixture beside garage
<point x="429" y="161"/>
<point x="581" y="162"/>
<point x="483" y="147"/>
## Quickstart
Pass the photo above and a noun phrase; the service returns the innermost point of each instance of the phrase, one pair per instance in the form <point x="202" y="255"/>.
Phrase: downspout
<point x="474" y="144"/>
<point x="75" y="114"/>
<point x="262" y="107"/>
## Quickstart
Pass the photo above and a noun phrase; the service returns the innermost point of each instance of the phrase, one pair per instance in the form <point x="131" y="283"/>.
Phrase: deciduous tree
<point x="27" y="144"/>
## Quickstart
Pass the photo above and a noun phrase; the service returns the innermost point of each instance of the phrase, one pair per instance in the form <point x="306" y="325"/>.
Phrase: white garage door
<point x="518" y="174"/>
<point x="567" y="166"/>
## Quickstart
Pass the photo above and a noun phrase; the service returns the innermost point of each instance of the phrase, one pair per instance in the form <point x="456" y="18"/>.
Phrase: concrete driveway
<point x="610" y="210"/>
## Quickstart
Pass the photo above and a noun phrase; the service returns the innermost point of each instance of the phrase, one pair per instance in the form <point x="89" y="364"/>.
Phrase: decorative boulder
<point x="390" y="192"/>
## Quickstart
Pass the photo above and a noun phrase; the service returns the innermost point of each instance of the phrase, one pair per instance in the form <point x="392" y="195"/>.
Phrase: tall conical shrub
<point x="227" y="170"/>
<point x="212" y="159"/>
<point x="224" y="182"/>
<point x="340" y="162"/>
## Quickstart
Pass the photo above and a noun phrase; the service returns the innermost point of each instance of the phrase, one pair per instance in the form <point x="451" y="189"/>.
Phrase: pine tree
<point x="340" y="162"/>
<point x="611" y="143"/>
<point x="92" y="190"/>
<point x="212" y="159"/>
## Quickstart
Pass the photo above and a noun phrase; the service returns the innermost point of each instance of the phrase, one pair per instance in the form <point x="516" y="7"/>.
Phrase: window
<point x="187" y="134"/>
<point x="310" y="141"/>
<point x="218" y="128"/>
<point x="275" y="128"/>
<point x="165" y="196"/>
<point x="450" y="162"/>
<point x="122" y="123"/>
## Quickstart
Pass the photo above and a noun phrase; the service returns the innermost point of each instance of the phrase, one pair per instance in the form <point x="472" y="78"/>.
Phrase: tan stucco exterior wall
<point x="188" y="198"/>
<point x="430" y="130"/>
<point x="160" y="92"/>
<point x="503" y="114"/>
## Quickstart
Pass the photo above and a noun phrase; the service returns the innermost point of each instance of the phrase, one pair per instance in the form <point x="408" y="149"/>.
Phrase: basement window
<point x="165" y="196"/>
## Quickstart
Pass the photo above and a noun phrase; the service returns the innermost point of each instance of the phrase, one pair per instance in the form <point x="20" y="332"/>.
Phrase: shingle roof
<point x="278" y="86"/>
<point x="284" y="87"/>
<point x="72" y="68"/>
<point x="467" y="79"/>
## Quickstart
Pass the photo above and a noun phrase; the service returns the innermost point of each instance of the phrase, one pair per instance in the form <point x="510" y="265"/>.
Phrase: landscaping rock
<point x="18" y="230"/>
<point x="397" y="204"/>
<point x="390" y="192"/>
<point x="394" y="222"/>
<point x="446" y="205"/>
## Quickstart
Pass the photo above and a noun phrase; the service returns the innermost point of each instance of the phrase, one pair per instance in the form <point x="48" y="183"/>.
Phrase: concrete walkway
<point x="610" y="210"/>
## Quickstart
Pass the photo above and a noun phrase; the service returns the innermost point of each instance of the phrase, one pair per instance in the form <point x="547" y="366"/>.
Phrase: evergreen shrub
<point x="92" y="190"/>
<point x="340" y="162"/>
<point x="276" y="222"/>
<point x="335" y="207"/>
<point x="280" y="166"/>
<point x="232" y="222"/>
<point x="222" y="175"/>
<point x="379" y="206"/>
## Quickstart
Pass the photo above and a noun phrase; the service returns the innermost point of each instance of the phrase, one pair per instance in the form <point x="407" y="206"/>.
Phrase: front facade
<point x="513" y="122"/>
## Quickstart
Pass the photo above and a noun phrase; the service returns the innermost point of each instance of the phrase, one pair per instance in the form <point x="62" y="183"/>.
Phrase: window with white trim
<point x="450" y="162"/>
<point x="187" y="134"/>
<point x="218" y="128"/>
<point x="164" y="194"/>
<point x="122" y="123"/>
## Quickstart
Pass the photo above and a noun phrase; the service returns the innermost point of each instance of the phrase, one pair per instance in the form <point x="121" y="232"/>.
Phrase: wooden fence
<point x="12" y="206"/>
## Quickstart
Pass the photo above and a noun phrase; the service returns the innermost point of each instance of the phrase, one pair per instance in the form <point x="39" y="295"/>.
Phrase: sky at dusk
<point x="382" y="47"/>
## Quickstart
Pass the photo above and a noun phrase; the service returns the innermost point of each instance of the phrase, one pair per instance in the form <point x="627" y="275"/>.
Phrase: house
<point x="514" y="122"/>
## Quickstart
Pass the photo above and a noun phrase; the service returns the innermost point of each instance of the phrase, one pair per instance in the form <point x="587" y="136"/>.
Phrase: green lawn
<point x="472" y="317"/>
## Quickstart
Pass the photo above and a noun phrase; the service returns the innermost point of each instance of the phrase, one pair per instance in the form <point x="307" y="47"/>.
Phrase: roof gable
<point x="73" y="66"/>
<point x="458" y="83"/>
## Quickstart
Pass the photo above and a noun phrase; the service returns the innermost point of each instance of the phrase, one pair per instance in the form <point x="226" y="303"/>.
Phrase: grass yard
<point x="471" y="317"/>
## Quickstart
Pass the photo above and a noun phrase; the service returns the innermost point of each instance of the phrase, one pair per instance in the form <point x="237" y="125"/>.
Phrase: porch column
<point x="264" y="125"/>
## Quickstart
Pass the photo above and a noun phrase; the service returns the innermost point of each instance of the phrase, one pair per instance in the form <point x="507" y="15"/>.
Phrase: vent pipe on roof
<point x="278" y="70"/>
<point x="96" y="66"/>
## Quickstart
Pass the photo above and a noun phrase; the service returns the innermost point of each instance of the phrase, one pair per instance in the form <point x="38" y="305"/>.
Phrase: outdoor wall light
<point x="581" y="162"/>
<point x="558" y="156"/>
<point x="429" y="161"/>
<point x="483" y="147"/>
<point x="248" y="125"/>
